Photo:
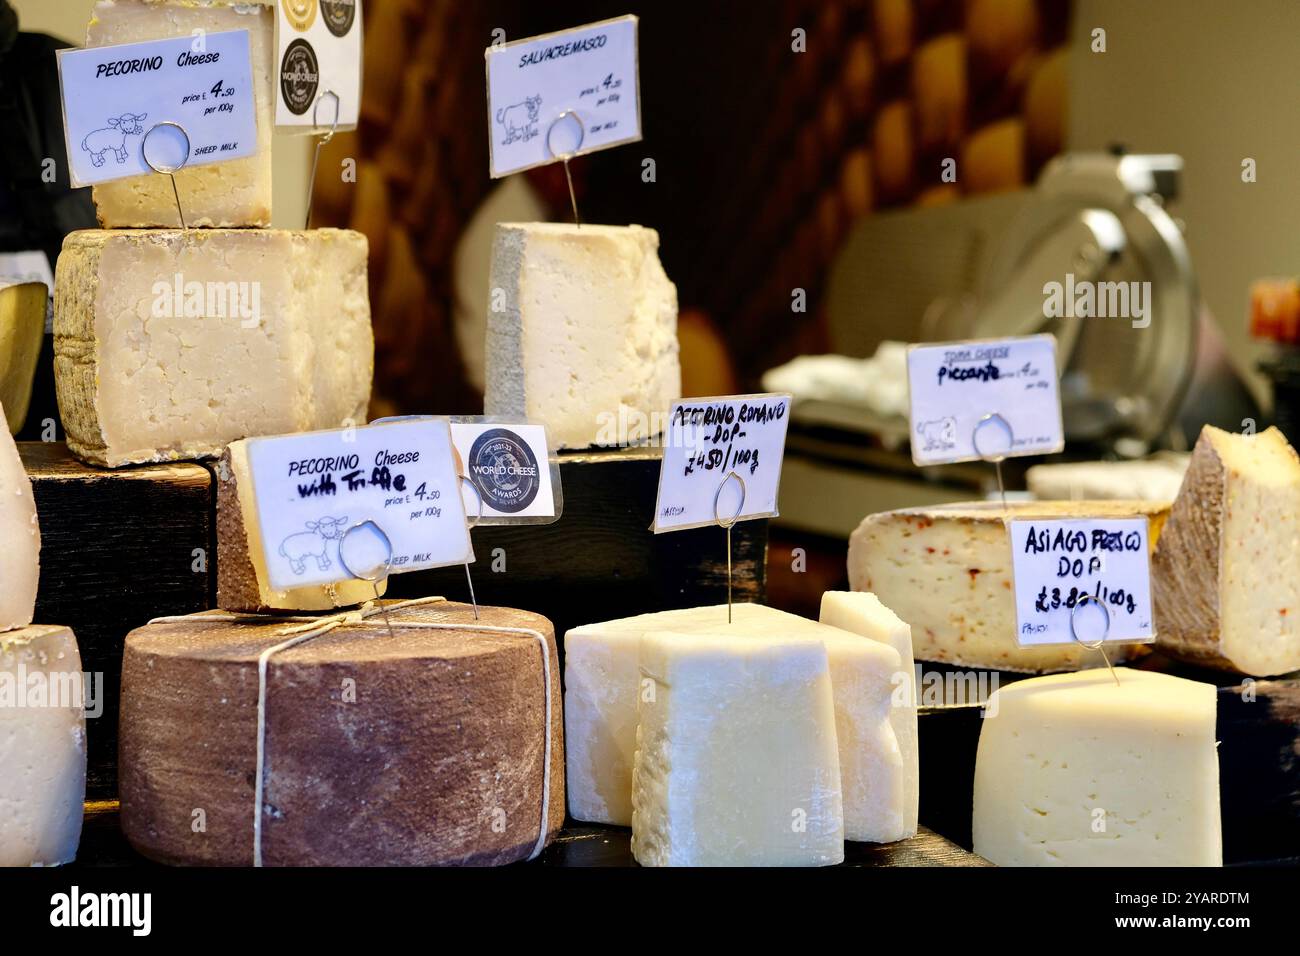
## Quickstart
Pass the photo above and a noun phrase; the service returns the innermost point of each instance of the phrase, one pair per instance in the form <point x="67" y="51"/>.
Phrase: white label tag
<point x="318" y="52"/>
<point x="1055" y="562"/>
<point x="114" y="95"/>
<point x="311" y="489"/>
<point x="509" y="466"/>
<point x="1006" y="390"/>
<point x="709" y="439"/>
<point x="589" y="71"/>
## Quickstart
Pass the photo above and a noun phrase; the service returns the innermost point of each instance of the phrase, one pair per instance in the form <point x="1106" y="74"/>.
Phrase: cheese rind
<point x="1074" y="771"/>
<point x="233" y="193"/>
<point x="20" y="540"/>
<point x="1226" y="572"/>
<point x="736" y="760"/>
<point x="171" y="344"/>
<point x="946" y="571"/>
<point x="582" y="332"/>
<point x="242" y="580"/>
<point x="42" y="746"/>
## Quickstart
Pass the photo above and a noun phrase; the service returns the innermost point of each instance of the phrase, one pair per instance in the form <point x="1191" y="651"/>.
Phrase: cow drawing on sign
<point x="112" y="139"/>
<point x="520" y="119"/>
<point x="313" y="543"/>
<point x="939" y="435"/>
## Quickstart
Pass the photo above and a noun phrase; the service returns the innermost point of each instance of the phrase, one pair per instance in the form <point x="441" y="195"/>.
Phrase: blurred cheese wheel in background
<point x="993" y="158"/>
<point x="706" y="360"/>
<point x="855" y="182"/>
<point x="410" y="129"/>
<point x="859" y="78"/>
<point x="809" y="152"/>
<point x="832" y="122"/>
<point x="384" y="62"/>
<point x="940" y="195"/>
<point x="892" y="149"/>
<point x="830" y="224"/>
<point x="1000" y="32"/>
<point x="939" y="92"/>
<point x="1045" y="106"/>
<point x="892" y="25"/>
<point x="372" y="215"/>
<point x="332" y="195"/>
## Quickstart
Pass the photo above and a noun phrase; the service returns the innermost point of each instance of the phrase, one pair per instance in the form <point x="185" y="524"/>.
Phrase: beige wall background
<point x="1215" y="82"/>
<point x="67" y="19"/>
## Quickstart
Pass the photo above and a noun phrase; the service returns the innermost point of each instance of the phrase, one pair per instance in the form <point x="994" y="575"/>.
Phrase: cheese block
<point x="581" y="332"/>
<point x="1153" y="479"/>
<point x="1226" y="574"/>
<point x="234" y="193"/>
<point x="1072" y="770"/>
<point x="170" y="344"/>
<point x="242" y="579"/>
<point x="602" y="681"/>
<point x="22" y="331"/>
<point x="736" y="758"/>
<point x="42" y="746"/>
<point x="863" y="614"/>
<point x="946" y="571"/>
<point x="20" y="540"/>
<point x="424" y="747"/>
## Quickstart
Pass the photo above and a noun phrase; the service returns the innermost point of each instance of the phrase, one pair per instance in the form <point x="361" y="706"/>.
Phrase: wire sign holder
<point x="568" y="155"/>
<point x="170" y="169"/>
<point x="478" y="496"/>
<point x="998" y="458"/>
<point x="322" y="140"/>
<point x="378" y="572"/>
<point x="1099" y="643"/>
<point x="727" y="524"/>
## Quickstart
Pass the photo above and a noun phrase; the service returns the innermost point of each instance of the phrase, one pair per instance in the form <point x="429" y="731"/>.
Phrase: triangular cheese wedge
<point x="1226" y="572"/>
<point x="20" y="540"/>
<point x="22" y="328"/>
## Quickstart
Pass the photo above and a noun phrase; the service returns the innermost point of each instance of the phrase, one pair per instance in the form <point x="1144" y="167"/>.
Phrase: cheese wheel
<point x="940" y="92"/>
<point x="859" y="78"/>
<point x="424" y="747"/>
<point x="1045" y="105"/>
<point x="940" y="195"/>
<point x="22" y="331"/>
<point x="855" y="183"/>
<point x="894" y="150"/>
<point x="993" y="159"/>
<point x="1000" y="32"/>
<point x="893" y="23"/>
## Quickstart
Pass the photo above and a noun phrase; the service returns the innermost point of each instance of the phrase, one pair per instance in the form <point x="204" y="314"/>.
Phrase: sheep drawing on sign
<point x="939" y="435"/>
<point x="313" y="543"/>
<point x="520" y="119"/>
<point x="112" y="139"/>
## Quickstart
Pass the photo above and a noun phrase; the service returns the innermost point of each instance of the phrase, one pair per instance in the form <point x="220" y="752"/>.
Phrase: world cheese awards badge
<point x="300" y="13"/>
<point x="504" y="470"/>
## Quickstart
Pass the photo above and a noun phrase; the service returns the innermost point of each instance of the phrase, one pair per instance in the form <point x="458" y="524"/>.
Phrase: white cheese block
<point x="602" y="681"/>
<point x="946" y="571"/>
<point x="42" y="746"/>
<point x="582" y="332"/>
<point x="1226" y="574"/>
<point x="171" y="344"/>
<point x="20" y="540"/>
<point x="736" y="758"/>
<point x="1155" y="479"/>
<point x="233" y="193"/>
<point x="1074" y="771"/>
<point x="863" y="614"/>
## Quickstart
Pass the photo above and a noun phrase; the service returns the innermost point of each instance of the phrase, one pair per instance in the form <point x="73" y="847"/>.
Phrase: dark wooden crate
<point x="117" y="549"/>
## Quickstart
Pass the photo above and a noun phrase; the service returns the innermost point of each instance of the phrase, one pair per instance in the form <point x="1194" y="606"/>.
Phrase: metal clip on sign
<point x="168" y="168"/>
<point x="728" y="524"/>
<point x="1097" y="644"/>
<point x="996" y="459"/>
<point x="375" y="574"/>
<point x="472" y="525"/>
<point x="321" y="141"/>
<point x="565" y="157"/>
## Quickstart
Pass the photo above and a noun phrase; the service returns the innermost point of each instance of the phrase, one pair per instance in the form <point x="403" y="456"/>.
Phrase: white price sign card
<point x="708" y="440"/>
<point x="313" y="489"/>
<point x="1094" y="571"/>
<point x="318" y="52"/>
<point x="590" y="73"/>
<point x="116" y="96"/>
<point x="508" y="465"/>
<point x="984" y="400"/>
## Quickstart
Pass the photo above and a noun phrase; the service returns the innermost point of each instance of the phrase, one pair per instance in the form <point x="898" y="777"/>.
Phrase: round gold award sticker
<point x="299" y="13"/>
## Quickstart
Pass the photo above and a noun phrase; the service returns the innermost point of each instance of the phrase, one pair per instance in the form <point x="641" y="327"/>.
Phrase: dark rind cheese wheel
<point x="425" y="747"/>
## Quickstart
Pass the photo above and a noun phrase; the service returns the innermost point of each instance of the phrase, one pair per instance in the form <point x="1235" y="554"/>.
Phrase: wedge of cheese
<point x="946" y="571"/>
<point x="603" y="682"/>
<point x="242" y="580"/>
<point x="22" y="330"/>
<point x="1073" y="770"/>
<point x="20" y="540"/>
<point x="736" y="758"/>
<point x="863" y="614"/>
<point x="1226" y="573"/>
<point x="171" y="344"/>
<point x="233" y="193"/>
<point x="42" y="746"/>
<point x="582" y="332"/>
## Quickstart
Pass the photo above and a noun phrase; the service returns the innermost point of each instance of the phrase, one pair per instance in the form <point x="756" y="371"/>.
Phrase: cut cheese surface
<point x="22" y="330"/>
<point x="169" y="344"/>
<point x="946" y="571"/>
<point x="602" y="681"/>
<point x="233" y="193"/>
<point x="242" y="579"/>
<point x="736" y="759"/>
<point x="20" y="540"/>
<point x="1075" y="771"/>
<point x="1226" y="573"/>
<point x="1155" y="479"/>
<point x="582" y="332"/>
<point x="42" y="746"/>
<point x="861" y="613"/>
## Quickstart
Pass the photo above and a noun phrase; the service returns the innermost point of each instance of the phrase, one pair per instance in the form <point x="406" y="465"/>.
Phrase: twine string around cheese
<point x="308" y="628"/>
